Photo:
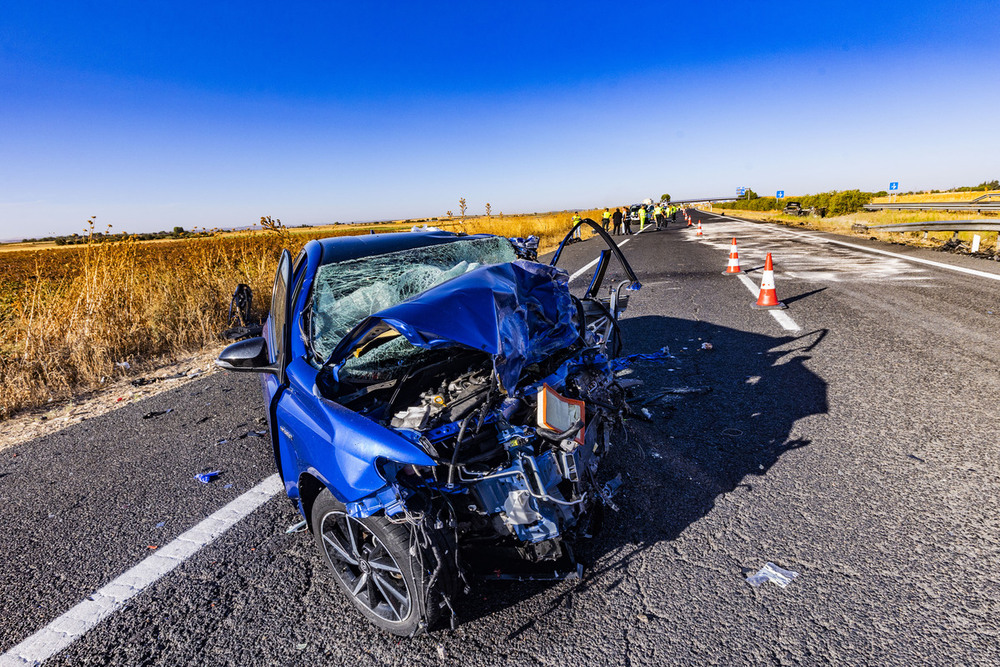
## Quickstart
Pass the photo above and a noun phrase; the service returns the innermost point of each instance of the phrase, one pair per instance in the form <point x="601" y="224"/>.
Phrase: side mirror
<point x="247" y="356"/>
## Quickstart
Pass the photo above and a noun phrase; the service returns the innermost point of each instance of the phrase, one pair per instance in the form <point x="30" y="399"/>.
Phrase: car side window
<point x="277" y="333"/>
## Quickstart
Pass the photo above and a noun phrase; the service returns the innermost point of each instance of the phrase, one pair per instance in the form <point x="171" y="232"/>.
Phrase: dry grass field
<point x="72" y="317"/>
<point x="934" y="197"/>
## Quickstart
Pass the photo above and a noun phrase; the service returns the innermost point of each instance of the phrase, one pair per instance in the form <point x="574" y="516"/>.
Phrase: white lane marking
<point x="781" y="316"/>
<point x="579" y="273"/>
<point x="108" y="599"/>
<point x="918" y="260"/>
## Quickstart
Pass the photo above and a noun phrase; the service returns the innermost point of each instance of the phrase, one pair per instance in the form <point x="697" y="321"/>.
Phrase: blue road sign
<point x="781" y="194"/>
<point x="894" y="185"/>
<point x="740" y="192"/>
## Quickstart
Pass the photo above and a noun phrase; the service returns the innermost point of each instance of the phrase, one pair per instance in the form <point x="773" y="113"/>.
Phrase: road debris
<point x="771" y="572"/>
<point x="610" y="488"/>
<point x="675" y="391"/>
<point x="124" y="365"/>
<point x="657" y="357"/>
<point x="207" y="477"/>
<point x="707" y="346"/>
<point x="296" y="528"/>
<point x="157" y="413"/>
<point x="142" y="382"/>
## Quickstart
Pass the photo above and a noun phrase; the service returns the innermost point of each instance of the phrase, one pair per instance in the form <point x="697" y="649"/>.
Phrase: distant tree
<point x="178" y="231"/>
<point x="462" y="206"/>
<point x="750" y="194"/>
<point x="487" y="209"/>
<point x="664" y="198"/>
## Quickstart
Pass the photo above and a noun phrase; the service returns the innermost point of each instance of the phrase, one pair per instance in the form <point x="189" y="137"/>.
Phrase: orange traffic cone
<point x="734" y="261"/>
<point x="768" y="297"/>
<point x="699" y="230"/>
<point x="689" y="221"/>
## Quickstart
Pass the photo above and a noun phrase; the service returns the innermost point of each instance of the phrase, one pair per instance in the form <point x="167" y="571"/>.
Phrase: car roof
<point x="341" y="248"/>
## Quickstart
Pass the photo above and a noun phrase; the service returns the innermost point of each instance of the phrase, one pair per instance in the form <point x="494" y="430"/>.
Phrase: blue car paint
<point x="335" y="445"/>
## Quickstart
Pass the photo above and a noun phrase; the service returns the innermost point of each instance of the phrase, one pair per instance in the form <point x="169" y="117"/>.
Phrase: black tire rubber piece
<point x="378" y="548"/>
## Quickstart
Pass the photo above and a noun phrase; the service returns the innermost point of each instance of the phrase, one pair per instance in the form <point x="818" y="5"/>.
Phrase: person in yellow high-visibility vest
<point x="658" y="215"/>
<point x="606" y="218"/>
<point x="642" y="218"/>
<point x="578" y="231"/>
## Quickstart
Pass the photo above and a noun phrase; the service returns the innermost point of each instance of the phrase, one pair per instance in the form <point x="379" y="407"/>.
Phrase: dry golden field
<point x="70" y="316"/>
<point x="934" y="197"/>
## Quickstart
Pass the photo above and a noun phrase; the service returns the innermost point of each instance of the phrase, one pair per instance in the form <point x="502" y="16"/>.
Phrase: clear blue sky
<point x="155" y="114"/>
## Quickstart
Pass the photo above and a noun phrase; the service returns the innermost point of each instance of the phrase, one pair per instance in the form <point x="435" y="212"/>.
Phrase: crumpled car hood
<point x="519" y="312"/>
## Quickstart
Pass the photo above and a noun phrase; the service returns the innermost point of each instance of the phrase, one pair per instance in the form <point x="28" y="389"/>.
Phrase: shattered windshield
<point x="344" y="293"/>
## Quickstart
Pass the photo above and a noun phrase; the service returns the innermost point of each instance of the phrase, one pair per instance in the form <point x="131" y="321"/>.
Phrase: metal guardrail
<point x="941" y="226"/>
<point x="936" y="206"/>
<point x="988" y="195"/>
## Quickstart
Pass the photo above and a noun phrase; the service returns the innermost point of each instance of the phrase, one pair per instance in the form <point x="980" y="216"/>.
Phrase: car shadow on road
<point x="724" y="421"/>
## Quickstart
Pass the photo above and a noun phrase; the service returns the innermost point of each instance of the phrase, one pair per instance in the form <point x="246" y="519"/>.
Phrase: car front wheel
<point x="371" y="561"/>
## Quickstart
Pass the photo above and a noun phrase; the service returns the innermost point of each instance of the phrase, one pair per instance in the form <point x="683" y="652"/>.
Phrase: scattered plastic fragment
<point x="142" y="382"/>
<point x="706" y="346"/>
<point x="206" y="477"/>
<point x="124" y="365"/>
<point x="296" y="527"/>
<point x="228" y="486"/>
<point x="771" y="572"/>
<point x="646" y="413"/>
<point x="655" y="454"/>
<point x="256" y="434"/>
<point x="221" y="442"/>
<point x="157" y="413"/>
<point x="152" y="546"/>
<point x="916" y="458"/>
<point x="440" y="651"/>
<point x="611" y="487"/>
<point x="662" y="355"/>
<point x="675" y="391"/>
<point x="300" y="646"/>
<point x="161" y="524"/>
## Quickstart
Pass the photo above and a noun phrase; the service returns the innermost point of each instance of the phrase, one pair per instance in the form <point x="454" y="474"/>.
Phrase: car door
<point x="277" y="334"/>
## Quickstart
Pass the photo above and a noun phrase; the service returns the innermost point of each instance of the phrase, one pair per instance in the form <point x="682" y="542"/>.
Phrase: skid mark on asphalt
<point x="108" y="599"/>
<point x="807" y="257"/>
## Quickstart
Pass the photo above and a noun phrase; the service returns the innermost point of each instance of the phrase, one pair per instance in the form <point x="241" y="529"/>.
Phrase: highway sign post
<point x="781" y="194"/>
<point x="740" y="192"/>
<point x="893" y="187"/>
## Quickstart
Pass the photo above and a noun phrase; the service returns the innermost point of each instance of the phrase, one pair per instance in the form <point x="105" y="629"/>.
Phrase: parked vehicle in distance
<point x="438" y="408"/>
<point x="795" y="208"/>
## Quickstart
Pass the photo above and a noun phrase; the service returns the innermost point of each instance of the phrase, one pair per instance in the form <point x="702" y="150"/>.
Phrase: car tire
<point x="375" y="566"/>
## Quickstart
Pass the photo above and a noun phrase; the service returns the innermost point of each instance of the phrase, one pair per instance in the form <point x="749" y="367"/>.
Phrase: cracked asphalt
<point x="860" y="452"/>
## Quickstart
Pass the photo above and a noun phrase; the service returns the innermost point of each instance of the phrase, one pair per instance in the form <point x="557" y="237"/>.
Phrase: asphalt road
<point x="858" y="449"/>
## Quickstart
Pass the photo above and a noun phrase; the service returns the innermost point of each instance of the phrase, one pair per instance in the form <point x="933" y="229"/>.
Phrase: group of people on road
<point x="619" y="220"/>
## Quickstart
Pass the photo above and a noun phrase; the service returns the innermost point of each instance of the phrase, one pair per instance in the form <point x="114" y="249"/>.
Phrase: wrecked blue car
<point x="438" y="407"/>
